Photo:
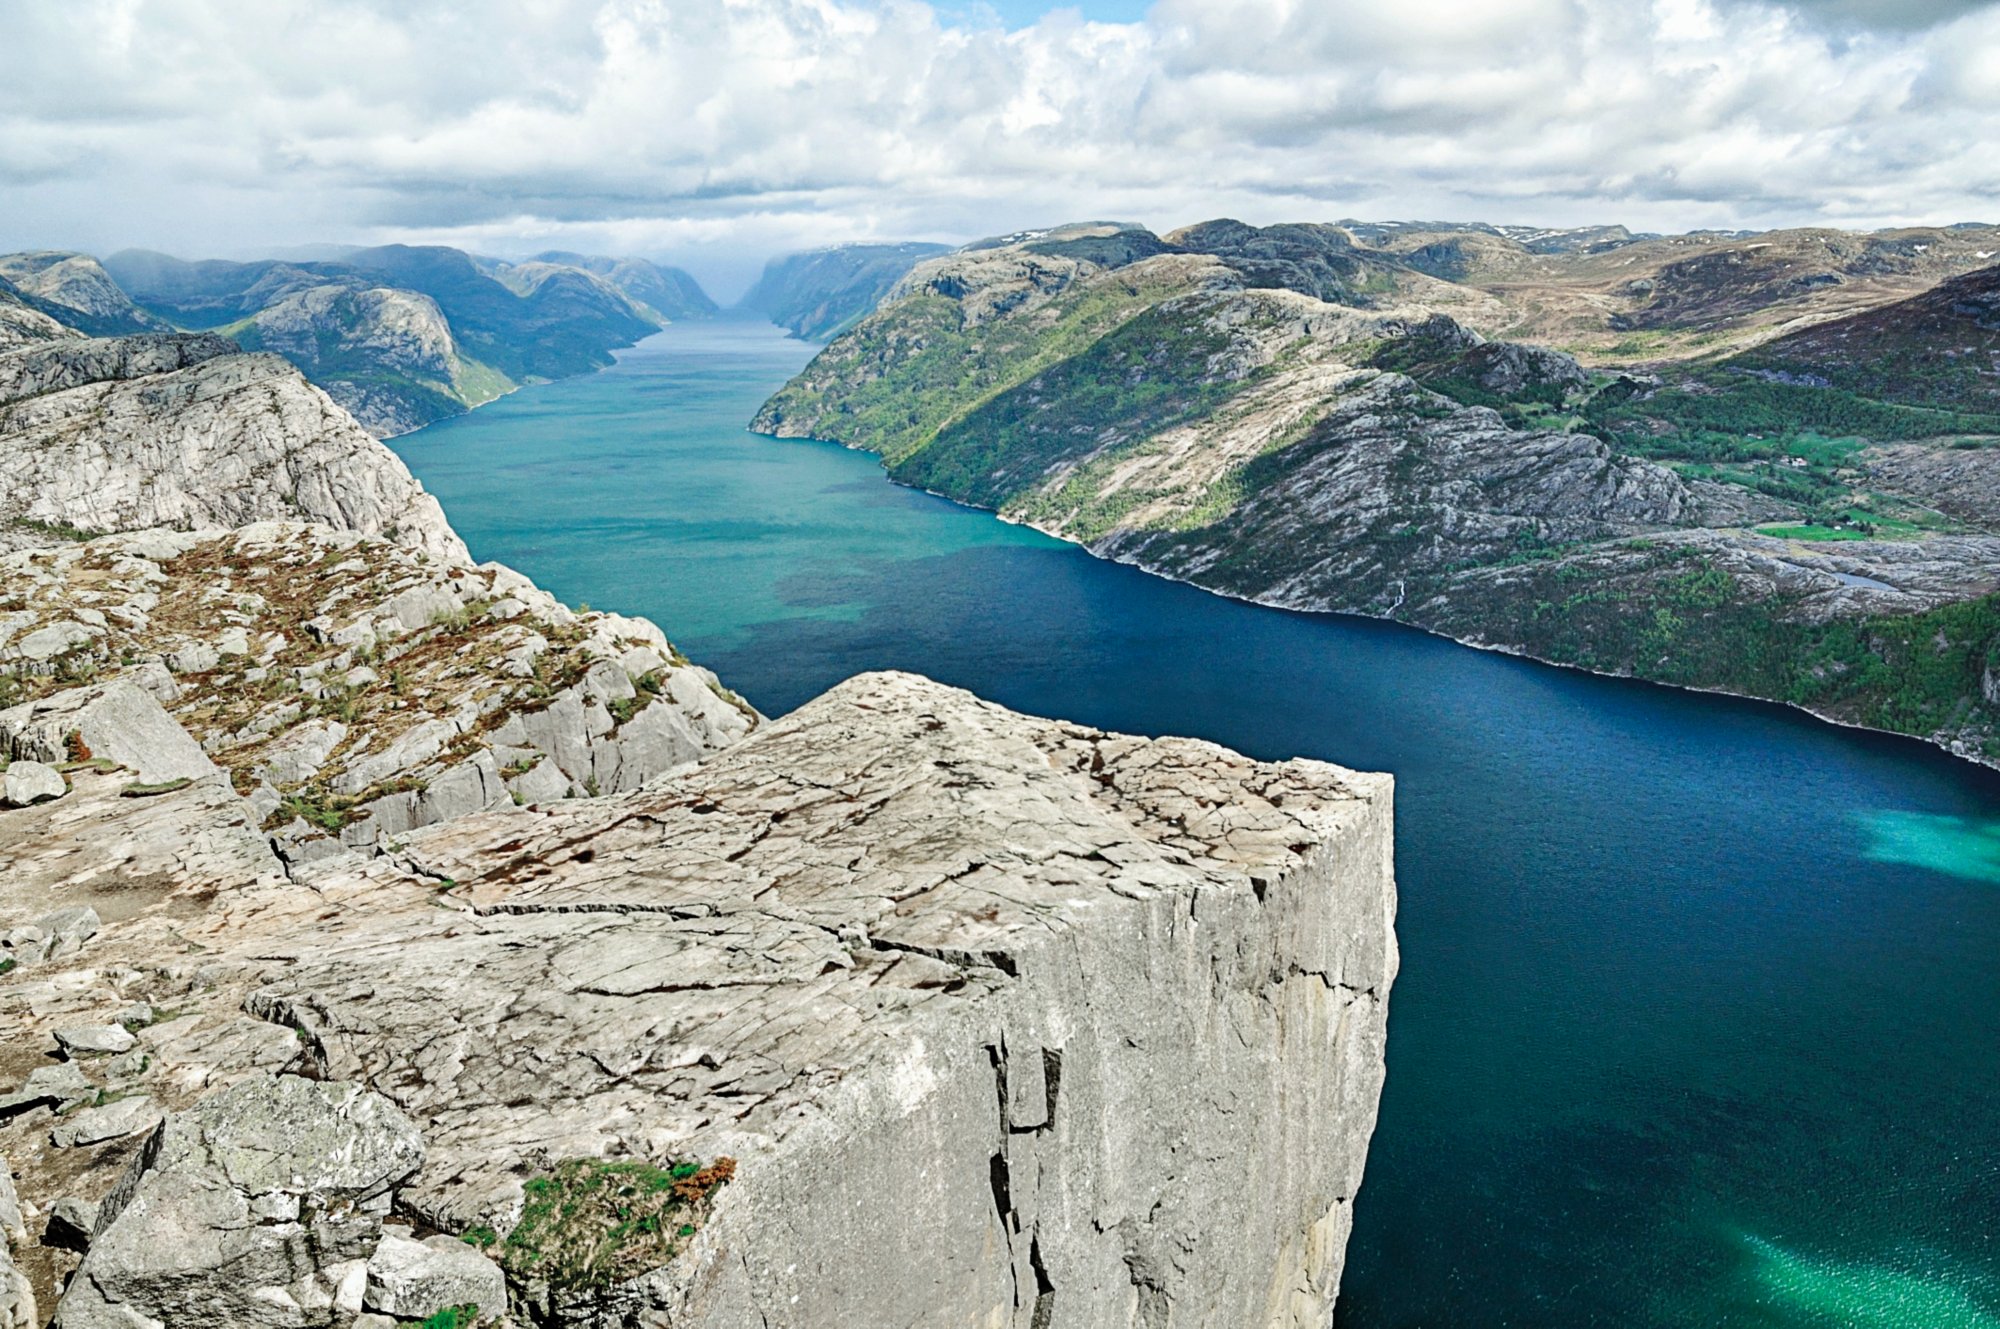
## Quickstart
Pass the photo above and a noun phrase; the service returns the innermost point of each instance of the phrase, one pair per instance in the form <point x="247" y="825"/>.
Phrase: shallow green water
<point x="1700" y="998"/>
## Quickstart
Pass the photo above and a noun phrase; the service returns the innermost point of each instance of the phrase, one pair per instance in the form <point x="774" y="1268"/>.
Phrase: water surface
<point x="1700" y="998"/>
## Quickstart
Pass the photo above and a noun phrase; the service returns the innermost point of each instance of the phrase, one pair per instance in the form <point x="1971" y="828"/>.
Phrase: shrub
<point x="594" y="1222"/>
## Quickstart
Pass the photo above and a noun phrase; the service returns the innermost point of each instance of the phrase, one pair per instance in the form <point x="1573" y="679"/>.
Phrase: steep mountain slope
<point x="668" y="293"/>
<point x="77" y="291"/>
<point x="23" y="321"/>
<point x="399" y="335"/>
<point x="1200" y="415"/>
<point x="1938" y="349"/>
<point x="559" y="328"/>
<point x="387" y="356"/>
<point x="821" y="293"/>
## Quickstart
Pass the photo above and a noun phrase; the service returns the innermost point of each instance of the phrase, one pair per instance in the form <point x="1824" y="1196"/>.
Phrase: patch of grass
<point x="592" y="1222"/>
<point x="57" y="530"/>
<point x="316" y="806"/>
<point x="1817" y="533"/>
<point x="138" y="789"/>
<point x="453" y="1317"/>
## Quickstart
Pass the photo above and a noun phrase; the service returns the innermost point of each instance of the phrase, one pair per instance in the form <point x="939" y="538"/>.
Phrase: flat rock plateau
<point x="381" y="938"/>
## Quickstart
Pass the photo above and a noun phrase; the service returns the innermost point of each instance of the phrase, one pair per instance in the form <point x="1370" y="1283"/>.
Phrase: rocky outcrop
<point x="131" y="433"/>
<point x="261" y="1205"/>
<point x="1000" y="1020"/>
<point x="354" y="689"/>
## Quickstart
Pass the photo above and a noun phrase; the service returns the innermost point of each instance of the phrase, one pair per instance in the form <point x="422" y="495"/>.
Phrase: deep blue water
<point x="1700" y="1001"/>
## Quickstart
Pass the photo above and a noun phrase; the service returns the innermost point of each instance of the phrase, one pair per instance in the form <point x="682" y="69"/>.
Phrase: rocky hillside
<point x="1215" y="418"/>
<point x="402" y="335"/>
<point x="121" y="434"/>
<point x="23" y="321"/>
<point x="382" y="942"/>
<point x="387" y="356"/>
<point x="823" y="292"/>
<point x="1615" y="298"/>
<point x="75" y="290"/>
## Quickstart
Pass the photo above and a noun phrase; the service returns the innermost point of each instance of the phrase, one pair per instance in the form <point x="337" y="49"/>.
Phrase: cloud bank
<point x="718" y="129"/>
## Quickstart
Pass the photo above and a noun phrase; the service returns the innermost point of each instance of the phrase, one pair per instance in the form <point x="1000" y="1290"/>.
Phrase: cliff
<point x="379" y="936"/>
<point x="1087" y="1031"/>
<point x="1211" y="417"/>
<point x="823" y="292"/>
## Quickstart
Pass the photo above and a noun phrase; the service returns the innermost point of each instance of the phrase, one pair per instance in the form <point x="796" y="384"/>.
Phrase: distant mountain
<point x="668" y="292"/>
<point x="402" y="335"/>
<point x="1614" y="297"/>
<point x="77" y="291"/>
<point x="822" y="292"/>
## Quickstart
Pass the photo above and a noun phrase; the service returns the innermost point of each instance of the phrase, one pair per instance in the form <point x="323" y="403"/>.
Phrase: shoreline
<point x="1982" y="762"/>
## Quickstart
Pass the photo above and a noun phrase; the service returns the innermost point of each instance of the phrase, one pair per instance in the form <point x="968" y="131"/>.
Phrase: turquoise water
<point x="1700" y="998"/>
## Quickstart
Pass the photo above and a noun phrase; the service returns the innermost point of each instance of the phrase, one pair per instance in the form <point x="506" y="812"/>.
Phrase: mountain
<point x="822" y="292"/>
<point x="556" y="329"/>
<point x="77" y="291"/>
<point x="360" y="891"/>
<point x="404" y="335"/>
<point x="178" y="430"/>
<point x="668" y="293"/>
<point x="1615" y="299"/>
<point x="1283" y="418"/>
<point x="387" y="355"/>
<point x="24" y="320"/>
<point x="1939" y="349"/>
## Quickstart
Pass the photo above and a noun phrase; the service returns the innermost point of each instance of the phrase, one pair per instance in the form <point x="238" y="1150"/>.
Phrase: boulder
<point x="417" y="1279"/>
<point x="91" y="1039"/>
<point x="250" y="1208"/>
<point x="28" y="782"/>
<point x="59" y="1087"/>
<point x="53" y="936"/>
<point x="122" y="1117"/>
<point x="71" y="1224"/>
<point x="117" y="720"/>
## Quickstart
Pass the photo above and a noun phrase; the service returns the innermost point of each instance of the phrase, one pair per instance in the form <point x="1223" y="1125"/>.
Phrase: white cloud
<point x="715" y="129"/>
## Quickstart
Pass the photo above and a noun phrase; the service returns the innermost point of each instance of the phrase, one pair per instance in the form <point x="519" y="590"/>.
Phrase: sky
<point x="715" y="133"/>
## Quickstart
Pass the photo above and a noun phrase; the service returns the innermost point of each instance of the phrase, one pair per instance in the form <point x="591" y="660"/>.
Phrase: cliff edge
<point x="381" y="940"/>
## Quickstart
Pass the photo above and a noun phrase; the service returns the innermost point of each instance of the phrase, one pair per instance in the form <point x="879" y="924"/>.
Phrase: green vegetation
<point x="316" y="806"/>
<point x="140" y="790"/>
<point x="453" y="1317"/>
<point x="594" y="1222"/>
<point x="1673" y="617"/>
<point x="1149" y="374"/>
<point x="55" y="530"/>
<point x="1723" y="413"/>
<point x="903" y="375"/>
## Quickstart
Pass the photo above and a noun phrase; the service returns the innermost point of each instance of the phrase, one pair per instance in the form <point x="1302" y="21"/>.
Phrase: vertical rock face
<point x="1001" y="1021"/>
